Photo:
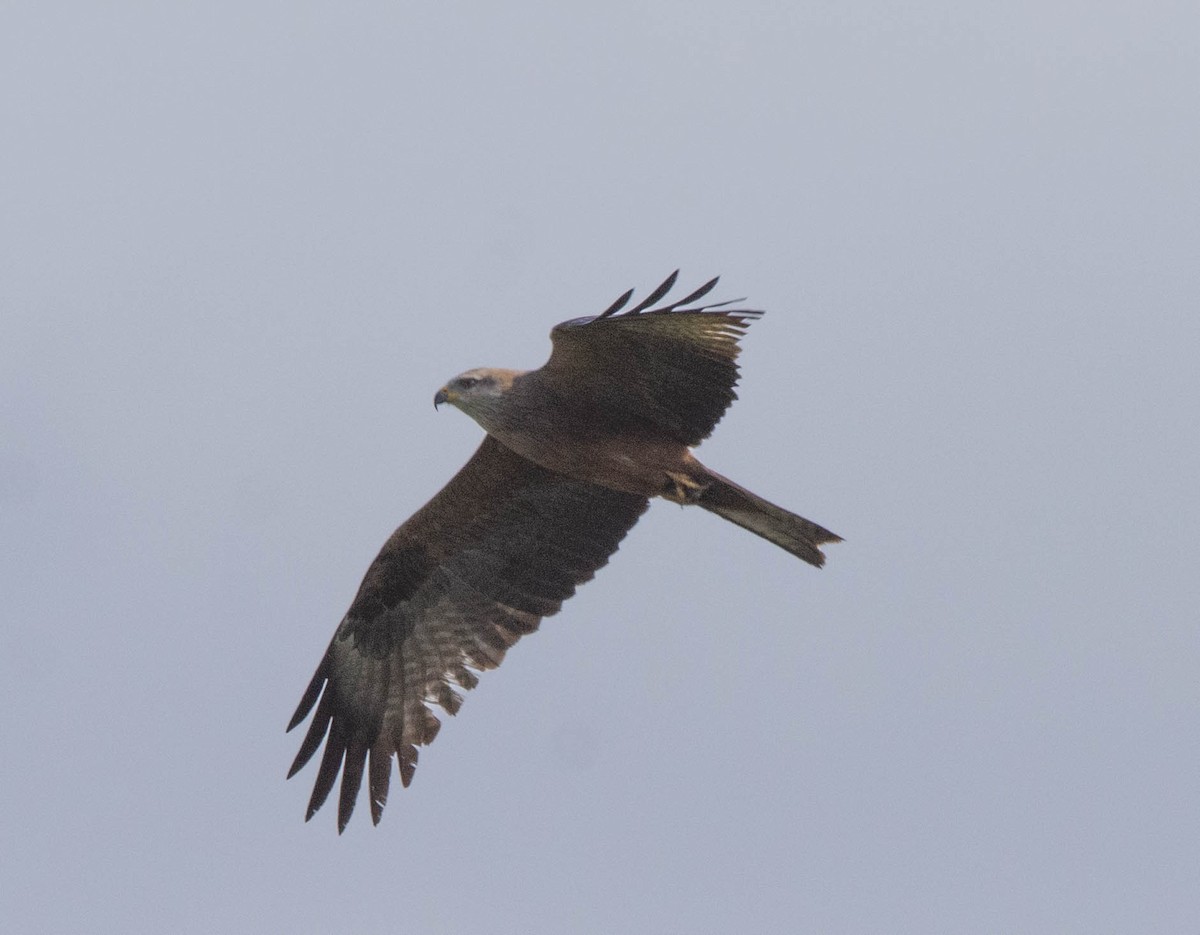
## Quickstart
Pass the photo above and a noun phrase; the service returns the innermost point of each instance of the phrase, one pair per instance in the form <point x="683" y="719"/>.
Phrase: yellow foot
<point x="682" y="489"/>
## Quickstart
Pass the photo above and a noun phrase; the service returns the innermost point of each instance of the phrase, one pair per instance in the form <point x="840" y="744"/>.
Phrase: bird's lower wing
<point x="497" y="549"/>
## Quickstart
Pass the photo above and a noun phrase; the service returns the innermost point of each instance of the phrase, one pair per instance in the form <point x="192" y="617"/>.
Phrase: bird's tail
<point x="790" y="532"/>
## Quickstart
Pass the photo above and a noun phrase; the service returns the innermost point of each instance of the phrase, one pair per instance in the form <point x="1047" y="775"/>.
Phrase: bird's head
<point x="479" y="393"/>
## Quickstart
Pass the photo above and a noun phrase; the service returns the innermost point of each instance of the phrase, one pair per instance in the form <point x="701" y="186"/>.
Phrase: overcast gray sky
<point x="244" y="243"/>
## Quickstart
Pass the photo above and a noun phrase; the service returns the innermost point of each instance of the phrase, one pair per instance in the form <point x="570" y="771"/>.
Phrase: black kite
<point x="573" y="453"/>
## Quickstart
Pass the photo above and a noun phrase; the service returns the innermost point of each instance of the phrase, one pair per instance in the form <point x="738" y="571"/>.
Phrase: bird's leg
<point x="682" y="489"/>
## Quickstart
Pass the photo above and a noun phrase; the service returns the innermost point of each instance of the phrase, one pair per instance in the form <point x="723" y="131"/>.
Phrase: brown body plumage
<point x="573" y="453"/>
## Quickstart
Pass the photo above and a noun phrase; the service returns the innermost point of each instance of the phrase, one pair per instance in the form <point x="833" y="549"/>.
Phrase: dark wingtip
<point x="740" y="311"/>
<point x="346" y="806"/>
<point x="692" y="297"/>
<point x="310" y="696"/>
<point x="644" y="306"/>
<point x="663" y="288"/>
<point x="379" y="775"/>
<point x="617" y="305"/>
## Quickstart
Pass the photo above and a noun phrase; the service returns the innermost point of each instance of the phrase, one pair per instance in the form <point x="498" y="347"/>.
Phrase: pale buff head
<point x="480" y="393"/>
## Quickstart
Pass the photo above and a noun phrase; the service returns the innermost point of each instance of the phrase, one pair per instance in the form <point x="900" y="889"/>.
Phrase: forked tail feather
<point x="795" y="534"/>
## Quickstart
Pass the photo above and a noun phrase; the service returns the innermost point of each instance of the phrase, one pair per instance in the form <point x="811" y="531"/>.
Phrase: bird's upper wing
<point x="669" y="369"/>
<point x="502" y="545"/>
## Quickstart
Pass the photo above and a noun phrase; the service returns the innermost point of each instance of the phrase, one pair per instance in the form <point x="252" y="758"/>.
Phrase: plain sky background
<point x="244" y="243"/>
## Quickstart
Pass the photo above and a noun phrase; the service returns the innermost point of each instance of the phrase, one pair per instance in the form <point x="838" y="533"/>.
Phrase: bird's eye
<point x="467" y="382"/>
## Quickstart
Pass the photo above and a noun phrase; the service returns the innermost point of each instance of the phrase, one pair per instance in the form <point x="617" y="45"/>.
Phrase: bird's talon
<point x="682" y="489"/>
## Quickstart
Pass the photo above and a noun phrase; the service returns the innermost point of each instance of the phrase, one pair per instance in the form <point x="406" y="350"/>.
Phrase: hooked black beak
<point x="441" y="397"/>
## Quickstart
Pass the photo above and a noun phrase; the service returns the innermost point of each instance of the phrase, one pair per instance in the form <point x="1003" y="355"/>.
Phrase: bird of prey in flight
<point x="573" y="454"/>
